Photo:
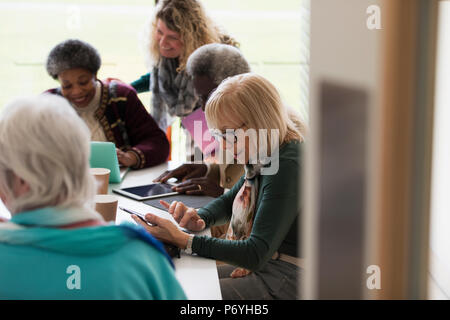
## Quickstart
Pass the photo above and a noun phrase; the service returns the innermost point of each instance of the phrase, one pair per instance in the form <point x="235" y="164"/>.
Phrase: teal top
<point x="142" y="84"/>
<point x="276" y="219"/>
<point x="41" y="261"/>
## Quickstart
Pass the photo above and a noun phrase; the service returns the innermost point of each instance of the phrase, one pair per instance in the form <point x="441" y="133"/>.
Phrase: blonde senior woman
<point x="263" y="207"/>
<point x="56" y="246"/>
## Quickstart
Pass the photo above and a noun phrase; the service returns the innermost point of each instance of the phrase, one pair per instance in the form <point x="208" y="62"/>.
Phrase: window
<point x="274" y="37"/>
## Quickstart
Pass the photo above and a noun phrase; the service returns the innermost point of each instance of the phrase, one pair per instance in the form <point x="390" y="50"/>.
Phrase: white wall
<point x="440" y="196"/>
<point x="343" y="51"/>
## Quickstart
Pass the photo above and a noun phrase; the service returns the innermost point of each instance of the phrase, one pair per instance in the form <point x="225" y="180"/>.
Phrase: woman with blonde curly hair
<point x="178" y="28"/>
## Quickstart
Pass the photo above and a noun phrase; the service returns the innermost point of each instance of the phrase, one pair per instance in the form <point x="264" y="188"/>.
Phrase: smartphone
<point x="138" y="214"/>
<point x="171" y="249"/>
<point x="142" y="217"/>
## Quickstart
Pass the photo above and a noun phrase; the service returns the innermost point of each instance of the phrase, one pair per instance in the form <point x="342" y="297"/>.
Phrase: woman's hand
<point x="239" y="273"/>
<point x="127" y="159"/>
<point x="164" y="230"/>
<point x="199" y="186"/>
<point x="184" y="172"/>
<point x="186" y="217"/>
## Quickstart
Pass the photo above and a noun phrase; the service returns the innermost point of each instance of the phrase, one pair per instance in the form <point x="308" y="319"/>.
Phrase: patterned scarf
<point x="172" y="93"/>
<point x="244" y="210"/>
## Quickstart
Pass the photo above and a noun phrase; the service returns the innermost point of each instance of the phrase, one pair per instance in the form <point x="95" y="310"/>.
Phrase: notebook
<point x="103" y="155"/>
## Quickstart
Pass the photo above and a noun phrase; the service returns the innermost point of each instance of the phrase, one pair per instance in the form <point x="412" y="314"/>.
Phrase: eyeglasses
<point x="229" y="136"/>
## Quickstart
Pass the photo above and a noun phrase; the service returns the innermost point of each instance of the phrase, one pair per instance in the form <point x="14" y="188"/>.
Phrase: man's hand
<point x="184" y="172"/>
<point x="199" y="186"/>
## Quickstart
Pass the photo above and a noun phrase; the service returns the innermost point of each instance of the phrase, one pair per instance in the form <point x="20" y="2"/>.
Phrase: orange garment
<point x="169" y="137"/>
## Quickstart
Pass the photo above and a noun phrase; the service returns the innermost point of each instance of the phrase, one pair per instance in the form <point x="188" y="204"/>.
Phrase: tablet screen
<point x="150" y="190"/>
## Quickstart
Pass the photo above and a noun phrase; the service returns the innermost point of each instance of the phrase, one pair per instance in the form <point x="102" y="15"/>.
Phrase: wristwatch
<point x="188" y="249"/>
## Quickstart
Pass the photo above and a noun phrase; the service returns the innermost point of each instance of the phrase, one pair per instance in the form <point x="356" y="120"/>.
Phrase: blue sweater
<point x="104" y="262"/>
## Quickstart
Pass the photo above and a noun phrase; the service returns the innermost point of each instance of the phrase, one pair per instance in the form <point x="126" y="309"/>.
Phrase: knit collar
<point x="94" y="241"/>
<point x="52" y="216"/>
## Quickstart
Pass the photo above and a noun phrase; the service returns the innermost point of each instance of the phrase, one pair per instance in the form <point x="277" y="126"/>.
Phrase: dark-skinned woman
<point x="111" y="109"/>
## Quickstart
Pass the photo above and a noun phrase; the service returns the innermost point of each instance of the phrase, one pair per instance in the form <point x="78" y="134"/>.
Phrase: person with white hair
<point x="209" y="65"/>
<point x="55" y="246"/>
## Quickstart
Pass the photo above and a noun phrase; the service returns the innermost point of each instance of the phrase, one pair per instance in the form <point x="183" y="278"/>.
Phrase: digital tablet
<point x="193" y="201"/>
<point x="148" y="191"/>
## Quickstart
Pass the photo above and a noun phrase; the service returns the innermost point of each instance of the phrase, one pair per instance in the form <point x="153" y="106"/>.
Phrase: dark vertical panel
<point x="344" y="131"/>
<point x="422" y="153"/>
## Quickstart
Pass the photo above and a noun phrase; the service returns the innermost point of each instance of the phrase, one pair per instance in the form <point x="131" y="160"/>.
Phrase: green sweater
<point x="275" y="223"/>
<point x="142" y="84"/>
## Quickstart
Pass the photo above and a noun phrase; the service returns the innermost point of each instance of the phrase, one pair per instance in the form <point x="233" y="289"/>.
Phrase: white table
<point x="4" y="213"/>
<point x="198" y="276"/>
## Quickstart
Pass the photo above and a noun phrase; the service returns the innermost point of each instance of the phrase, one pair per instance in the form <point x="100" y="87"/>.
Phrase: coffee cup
<point x="102" y="179"/>
<point x="106" y="205"/>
